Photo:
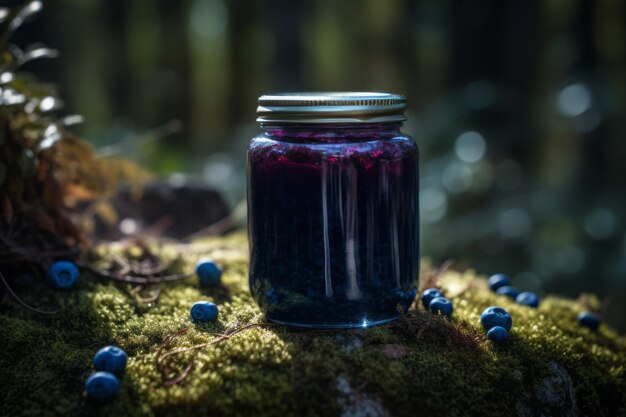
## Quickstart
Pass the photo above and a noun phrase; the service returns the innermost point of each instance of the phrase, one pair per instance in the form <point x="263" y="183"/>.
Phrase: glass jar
<point x="333" y="209"/>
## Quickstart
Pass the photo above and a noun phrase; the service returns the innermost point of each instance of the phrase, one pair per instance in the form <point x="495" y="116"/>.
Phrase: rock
<point x="355" y="403"/>
<point x="556" y="392"/>
<point x="177" y="208"/>
<point x="554" y="395"/>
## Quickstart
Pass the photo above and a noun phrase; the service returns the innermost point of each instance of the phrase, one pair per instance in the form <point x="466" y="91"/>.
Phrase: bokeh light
<point x="513" y="223"/>
<point x="574" y="100"/>
<point x="457" y="177"/>
<point x="433" y="204"/>
<point x="600" y="223"/>
<point x="470" y="147"/>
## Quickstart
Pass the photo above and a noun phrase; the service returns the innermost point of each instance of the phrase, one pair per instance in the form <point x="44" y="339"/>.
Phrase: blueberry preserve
<point x="333" y="209"/>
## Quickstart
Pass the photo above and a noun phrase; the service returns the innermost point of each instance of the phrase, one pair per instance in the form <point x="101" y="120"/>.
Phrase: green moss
<point x="419" y="365"/>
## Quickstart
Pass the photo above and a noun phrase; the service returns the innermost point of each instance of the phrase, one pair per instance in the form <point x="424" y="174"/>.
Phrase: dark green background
<point x="541" y="82"/>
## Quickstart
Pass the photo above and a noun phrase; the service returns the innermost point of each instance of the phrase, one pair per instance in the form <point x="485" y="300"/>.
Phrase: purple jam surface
<point x="333" y="224"/>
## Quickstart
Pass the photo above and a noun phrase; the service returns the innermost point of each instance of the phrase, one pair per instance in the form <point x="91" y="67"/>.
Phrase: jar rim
<point x="331" y="107"/>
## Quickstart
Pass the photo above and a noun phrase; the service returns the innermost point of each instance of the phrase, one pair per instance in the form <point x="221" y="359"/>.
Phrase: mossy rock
<point x="420" y="365"/>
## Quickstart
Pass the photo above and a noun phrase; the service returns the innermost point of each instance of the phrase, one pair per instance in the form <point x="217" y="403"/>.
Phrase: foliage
<point x="43" y="167"/>
<point x="422" y="364"/>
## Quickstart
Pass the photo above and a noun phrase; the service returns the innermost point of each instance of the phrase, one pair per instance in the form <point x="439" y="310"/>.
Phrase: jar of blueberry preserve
<point x="333" y="209"/>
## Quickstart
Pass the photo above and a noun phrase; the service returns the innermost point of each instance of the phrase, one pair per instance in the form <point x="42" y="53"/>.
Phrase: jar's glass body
<point x="333" y="223"/>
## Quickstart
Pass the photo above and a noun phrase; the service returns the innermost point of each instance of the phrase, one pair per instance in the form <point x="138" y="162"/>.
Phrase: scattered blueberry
<point x="102" y="386"/>
<point x="440" y="305"/>
<point x="498" y="280"/>
<point x="203" y="311"/>
<point x="496" y="316"/>
<point x="429" y="294"/>
<point x="110" y="359"/>
<point x="63" y="274"/>
<point x="498" y="334"/>
<point x="405" y="298"/>
<point x="209" y="273"/>
<point x="508" y="291"/>
<point x="589" y="319"/>
<point x="408" y="295"/>
<point x="528" y="298"/>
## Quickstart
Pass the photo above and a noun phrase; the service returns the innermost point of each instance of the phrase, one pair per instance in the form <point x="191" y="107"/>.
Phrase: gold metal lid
<point x="331" y="107"/>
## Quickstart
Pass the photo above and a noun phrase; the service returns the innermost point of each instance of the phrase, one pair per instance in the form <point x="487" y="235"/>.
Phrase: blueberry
<point x="405" y="296"/>
<point x="63" y="274"/>
<point x="496" y="316"/>
<point x="203" y="311"/>
<point x="110" y="359"/>
<point x="429" y="294"/>
<point x="102" y="386"/>
<point x="508" y="291"/>
<point x="440" y="305"/>
<point x="589" y="319"/>
<point x="498" y="334"/>
<point x="209" y="273"/>
<point x="528" y="298"/>
<point x="498" y="280"/>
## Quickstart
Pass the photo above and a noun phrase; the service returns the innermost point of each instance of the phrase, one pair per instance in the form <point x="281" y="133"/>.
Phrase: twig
<point x="160" y="226"/>
<point x="134" y="279"/>
<point x="149" y="270"/>
<point x="152" y="298"/>
<point x="432" y="277"/>
<point x="217" y="228"/>
<point x="145" y="270"/>
<point x="125" y="267"/>
<point x="22" y="302"/>
<point x="161" y="359"/>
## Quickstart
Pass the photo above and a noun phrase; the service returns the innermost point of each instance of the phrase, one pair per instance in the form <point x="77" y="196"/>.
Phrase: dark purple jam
<point x="333" y="223"/>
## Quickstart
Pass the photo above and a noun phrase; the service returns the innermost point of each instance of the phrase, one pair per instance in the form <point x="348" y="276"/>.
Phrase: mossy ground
<point x="421" y="365"/>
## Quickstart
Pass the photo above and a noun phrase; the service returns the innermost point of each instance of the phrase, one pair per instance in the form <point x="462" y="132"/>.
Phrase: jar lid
<point x="331" y="107"/>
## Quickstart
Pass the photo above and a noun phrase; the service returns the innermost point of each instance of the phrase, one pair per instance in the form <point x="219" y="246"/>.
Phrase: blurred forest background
<point x="518" y="107"/>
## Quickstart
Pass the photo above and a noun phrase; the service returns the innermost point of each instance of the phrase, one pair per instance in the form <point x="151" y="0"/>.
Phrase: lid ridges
<point x="339" y="106"/>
